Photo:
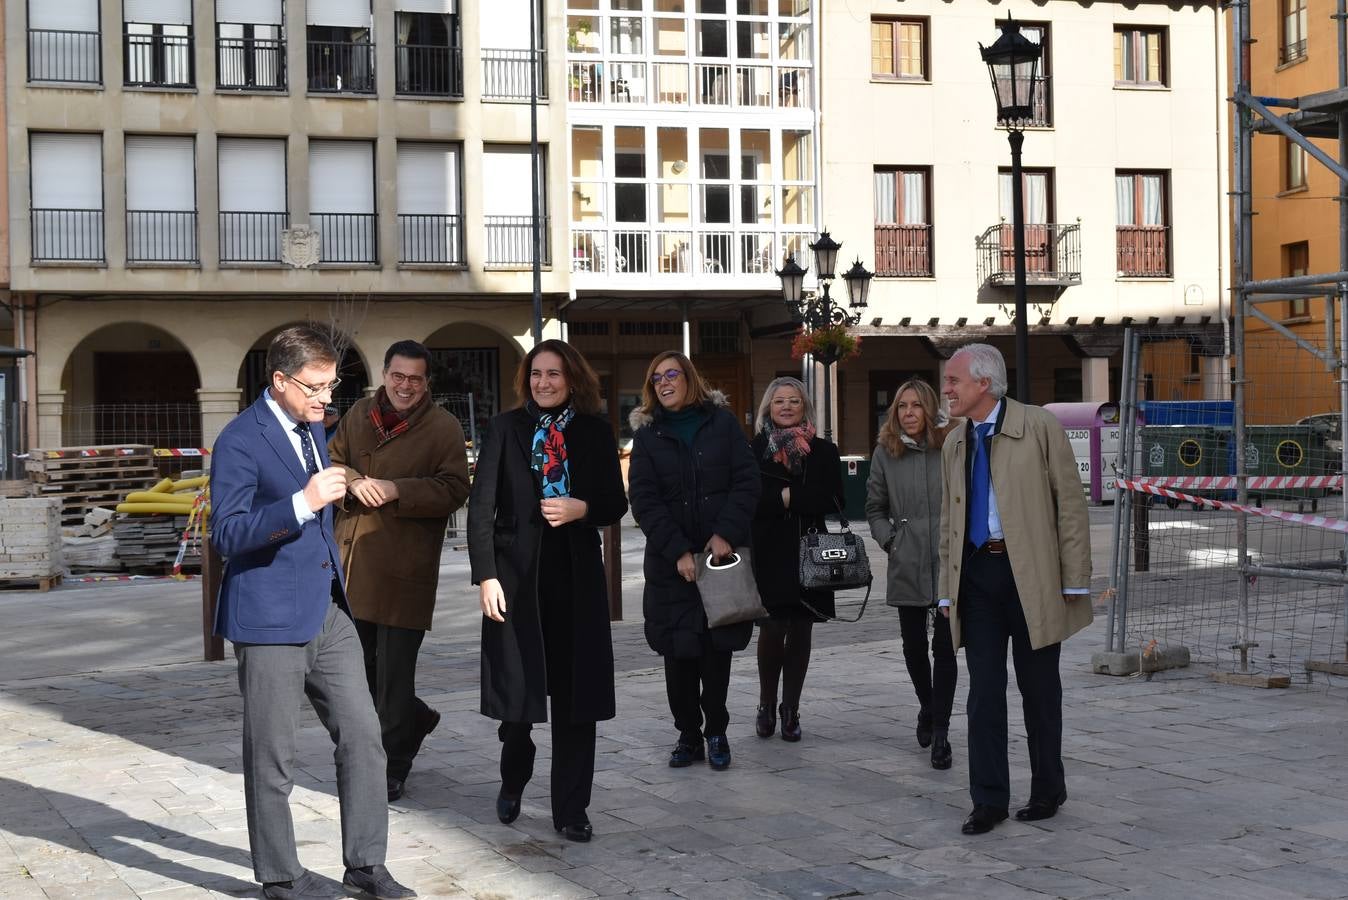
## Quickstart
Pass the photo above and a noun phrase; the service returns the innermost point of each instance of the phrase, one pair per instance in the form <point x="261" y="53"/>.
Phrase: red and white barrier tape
<point x="87" y="452"/>
<point x="1255" y="482"/>
<point x="182" y="451"/>
<point x="1148" y="486"/>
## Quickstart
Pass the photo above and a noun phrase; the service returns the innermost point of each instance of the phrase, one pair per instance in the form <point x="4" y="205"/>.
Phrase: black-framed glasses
<point x="312" y="391"/>
<point x="412" y="381"/>
<point x="670" y="375"/>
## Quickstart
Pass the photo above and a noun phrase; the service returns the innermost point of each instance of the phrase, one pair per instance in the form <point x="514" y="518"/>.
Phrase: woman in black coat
<point x="546" y="481"/>
<point x="802" y="483"/>
<point x="693" y="486"/>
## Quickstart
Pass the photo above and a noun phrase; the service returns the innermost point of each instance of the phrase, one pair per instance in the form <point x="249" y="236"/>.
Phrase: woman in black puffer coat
<point x="802" y="483"/>
<point x="693" y="487"/>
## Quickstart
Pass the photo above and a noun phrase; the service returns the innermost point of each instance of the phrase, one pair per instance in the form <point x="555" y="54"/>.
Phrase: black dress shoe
<point x="428" y="720"/>
<point x="941" y="755"/>
<point x="923" y="730"/>
<point x="790" y="722"/>
<point x="507" y="807"/>
<point x="718" y="752"/>
<point x="686" y="754"/>
<point x="395" y="788"/>
<point x="307" y="887"/>
<point x="377" y="883"/>
<point x="765" y="723"/>
<point x="1041" y="809"/>
<point x="983" y="819"/>
<point x="580" y="832"/>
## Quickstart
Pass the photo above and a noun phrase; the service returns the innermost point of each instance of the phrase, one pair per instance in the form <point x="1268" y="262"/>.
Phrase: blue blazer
<point x="279" y="576"/>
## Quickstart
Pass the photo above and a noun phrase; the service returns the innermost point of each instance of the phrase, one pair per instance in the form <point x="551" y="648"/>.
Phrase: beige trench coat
<point x="1044" y="520"/>
<point x="391" y="555"/>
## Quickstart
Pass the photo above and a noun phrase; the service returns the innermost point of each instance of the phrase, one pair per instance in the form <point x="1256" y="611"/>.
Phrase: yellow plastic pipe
<point x="154" y="509"/>
<point x="185" y="500"/>
<point x="162" y="487"/>
<point x="190" y="484"/>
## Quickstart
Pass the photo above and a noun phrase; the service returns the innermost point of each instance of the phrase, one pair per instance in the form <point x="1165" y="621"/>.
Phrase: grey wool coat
<point x="903" y="507"/>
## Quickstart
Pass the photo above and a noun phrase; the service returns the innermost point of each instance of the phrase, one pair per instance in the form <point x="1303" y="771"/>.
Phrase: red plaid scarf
<point x="388" y="422"/>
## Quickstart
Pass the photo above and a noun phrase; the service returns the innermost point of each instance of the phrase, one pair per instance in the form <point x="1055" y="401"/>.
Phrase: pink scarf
<point x="790" y="446"/>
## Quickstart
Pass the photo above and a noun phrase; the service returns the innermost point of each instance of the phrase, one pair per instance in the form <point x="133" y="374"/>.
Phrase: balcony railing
<point x="67" y="235"/>
<point x="902" y="251"/>
<point x="713" y="84"/>
<point x="347" y="238"/>
<point x="1052" y="255"/>
<point x="664" y="251"/>
<point x="252" y="237"/>
<point x="1144" y="251"/>
<point x="161" y="236"/>
<point x="1291" y="51"/>
<point x="256" y="64"/>
<point x="510" y="241"/>
<point x="505" y="74"/>
<point x="341" y="67"/>
<point x="158" y="60"/>
<point x="67" y="56"/>
<point x="430" y="239"/>
<point x="426" y="70"/>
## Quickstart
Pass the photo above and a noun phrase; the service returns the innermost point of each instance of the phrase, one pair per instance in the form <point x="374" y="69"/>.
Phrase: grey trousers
<point x="330" y="670"/>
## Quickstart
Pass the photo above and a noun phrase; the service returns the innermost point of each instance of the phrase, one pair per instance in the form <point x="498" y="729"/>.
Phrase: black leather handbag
<point x="834" y="561"/>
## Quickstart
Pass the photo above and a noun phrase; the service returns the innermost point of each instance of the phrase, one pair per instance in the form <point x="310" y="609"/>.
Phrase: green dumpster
<point x="1186" y="451"/>
<point x="1290" y="450"/>
<point x="855" y="471"/>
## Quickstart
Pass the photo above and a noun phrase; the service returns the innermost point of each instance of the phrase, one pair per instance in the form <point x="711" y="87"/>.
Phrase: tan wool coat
<point x="391" y="555"/>
<point x="1044" y="520"/>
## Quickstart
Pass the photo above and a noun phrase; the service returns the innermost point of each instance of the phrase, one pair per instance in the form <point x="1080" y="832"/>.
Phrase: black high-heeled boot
<point x="765" y="723"/>
<point x="790" y="722"/>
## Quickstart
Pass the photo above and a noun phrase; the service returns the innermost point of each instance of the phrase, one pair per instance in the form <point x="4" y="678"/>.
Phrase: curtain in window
<point x="1153" y="200"/>
<point x="885" y="201"/>
<point x="1036" y="197"/>
<point x="914" y="198"/>
<point x="1123" y="200"/>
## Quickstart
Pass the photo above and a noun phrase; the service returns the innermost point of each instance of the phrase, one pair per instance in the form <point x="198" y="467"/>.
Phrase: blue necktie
<point x="980" y="487"/>
<point x="307" y="445"/>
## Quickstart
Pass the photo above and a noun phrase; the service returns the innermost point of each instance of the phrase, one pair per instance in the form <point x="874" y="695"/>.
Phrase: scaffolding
<point x="1315" y="558"/>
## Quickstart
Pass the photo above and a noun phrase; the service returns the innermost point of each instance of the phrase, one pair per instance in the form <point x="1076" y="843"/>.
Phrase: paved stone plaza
<point x="119" y="775"/>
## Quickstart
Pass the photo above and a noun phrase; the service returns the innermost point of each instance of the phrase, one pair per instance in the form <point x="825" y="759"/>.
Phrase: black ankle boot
<point x="765" y="723"/>
<point x="790" y="722"/>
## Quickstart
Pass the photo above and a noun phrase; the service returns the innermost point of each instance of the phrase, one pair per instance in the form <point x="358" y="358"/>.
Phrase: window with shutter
<point x="64" y="41"/>
<point x="67" y="197"/>
<point x="253" y="209"/>
<point x="429" y="219"/>
<point x="341" y="201"/>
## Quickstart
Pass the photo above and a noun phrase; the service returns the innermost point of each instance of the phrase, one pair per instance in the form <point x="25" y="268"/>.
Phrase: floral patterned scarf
<point x="549" y="455"/>
<point x="790" y="446"/>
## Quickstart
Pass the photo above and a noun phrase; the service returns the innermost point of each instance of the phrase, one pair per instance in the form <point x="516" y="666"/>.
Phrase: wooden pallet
<point x="92" y="473"/>
<point x="21" y="583"/>
<point x="102" y="456"/>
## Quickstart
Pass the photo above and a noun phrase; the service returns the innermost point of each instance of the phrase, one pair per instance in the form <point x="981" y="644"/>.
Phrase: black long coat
<point x="815" y="492"/>
<point x="681" y="496"/>
<point x="505" y="532"/>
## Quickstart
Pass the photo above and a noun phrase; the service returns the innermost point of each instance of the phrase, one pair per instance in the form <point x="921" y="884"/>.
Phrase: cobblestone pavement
<point x="119" y="776"/>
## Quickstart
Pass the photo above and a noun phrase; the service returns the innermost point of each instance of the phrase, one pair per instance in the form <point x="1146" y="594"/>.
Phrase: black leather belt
<point x="995" y="546"/>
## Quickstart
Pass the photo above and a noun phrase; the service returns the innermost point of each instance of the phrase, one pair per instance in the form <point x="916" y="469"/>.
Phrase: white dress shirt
<point x="302" y="511"/>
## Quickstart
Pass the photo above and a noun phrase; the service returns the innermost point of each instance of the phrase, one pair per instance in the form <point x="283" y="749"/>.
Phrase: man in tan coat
<point x="406" y="471"/>
<point x="1015" y="564"/>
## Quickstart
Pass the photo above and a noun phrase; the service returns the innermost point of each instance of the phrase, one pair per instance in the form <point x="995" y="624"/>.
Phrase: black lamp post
<point x="1013" y="63"/>
<point x="817" y="310"/>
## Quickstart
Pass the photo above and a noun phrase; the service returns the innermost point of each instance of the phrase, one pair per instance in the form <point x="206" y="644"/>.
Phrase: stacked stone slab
<point x="30" y="539"/>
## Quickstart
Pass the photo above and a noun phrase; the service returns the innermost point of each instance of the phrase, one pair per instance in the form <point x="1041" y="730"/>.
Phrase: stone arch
<point x="354" y="370"/>
<point x="479" y="358"/>
<point x="129" y="382"/>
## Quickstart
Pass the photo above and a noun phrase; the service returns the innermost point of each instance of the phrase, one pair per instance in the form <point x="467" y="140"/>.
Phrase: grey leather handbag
<point x="834" y="561"/>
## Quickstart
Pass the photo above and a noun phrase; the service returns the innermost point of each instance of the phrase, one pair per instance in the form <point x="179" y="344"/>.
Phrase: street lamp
<point x="1013" y="63"/>
<point x="816" y="310"/>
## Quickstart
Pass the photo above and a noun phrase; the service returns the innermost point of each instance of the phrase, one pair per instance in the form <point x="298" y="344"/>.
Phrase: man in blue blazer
<point x="281" y="604"/>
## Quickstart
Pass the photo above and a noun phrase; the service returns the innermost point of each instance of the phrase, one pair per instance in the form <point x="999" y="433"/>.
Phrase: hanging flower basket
<point x="831" y="344"/>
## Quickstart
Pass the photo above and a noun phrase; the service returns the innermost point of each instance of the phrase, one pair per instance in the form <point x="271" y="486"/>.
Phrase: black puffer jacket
<point x="680" y="497"/>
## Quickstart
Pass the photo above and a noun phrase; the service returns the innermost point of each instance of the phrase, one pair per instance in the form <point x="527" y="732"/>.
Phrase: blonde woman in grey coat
<point x="903" y="506"/>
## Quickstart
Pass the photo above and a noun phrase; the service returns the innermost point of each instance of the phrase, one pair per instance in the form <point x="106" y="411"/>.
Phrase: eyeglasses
<point x="312" y="391"/>
<point x="670" y="375"/>
<point x="414" y="381"/>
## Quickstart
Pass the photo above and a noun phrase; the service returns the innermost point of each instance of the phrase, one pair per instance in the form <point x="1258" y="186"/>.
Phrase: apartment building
<point x="190" y="176"/>
<point x="1296" y="214"/>
<point x="1124" y="180"/>
<point x="692" y="170"/>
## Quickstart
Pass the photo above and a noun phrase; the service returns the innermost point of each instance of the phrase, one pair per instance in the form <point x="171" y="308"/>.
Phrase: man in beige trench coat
<point x="406" y="471"/>
<point x="1015" y="565"/>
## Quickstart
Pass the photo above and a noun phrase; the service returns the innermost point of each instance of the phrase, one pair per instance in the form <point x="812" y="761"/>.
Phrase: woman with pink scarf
<point x="802" y="483"/>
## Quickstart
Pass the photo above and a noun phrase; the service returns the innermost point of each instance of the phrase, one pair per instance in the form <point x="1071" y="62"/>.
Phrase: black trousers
<point x="933" y="677"/>
<point x="697" y="690"/>
<point x="572" y="763"/>
<point x="990" y="614"/>
<point x="391" y="670"/>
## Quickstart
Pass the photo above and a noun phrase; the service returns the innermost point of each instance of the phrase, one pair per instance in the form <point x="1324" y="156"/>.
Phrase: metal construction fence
<point x="1230" y="534"/>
